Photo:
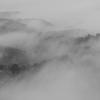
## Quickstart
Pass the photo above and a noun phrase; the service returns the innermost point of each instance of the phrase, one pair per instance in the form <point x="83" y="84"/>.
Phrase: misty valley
<point x="41" y="62"/>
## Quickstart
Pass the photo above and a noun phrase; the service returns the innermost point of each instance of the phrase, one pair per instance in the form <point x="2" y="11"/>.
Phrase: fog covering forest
<point x="38" y="62"/>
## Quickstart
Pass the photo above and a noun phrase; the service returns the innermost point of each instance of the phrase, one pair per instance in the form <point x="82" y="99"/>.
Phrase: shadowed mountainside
<point x="23" y="25"/>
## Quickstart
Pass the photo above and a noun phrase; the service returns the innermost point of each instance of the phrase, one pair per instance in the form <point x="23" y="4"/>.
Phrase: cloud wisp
<point x="62" y="65"/>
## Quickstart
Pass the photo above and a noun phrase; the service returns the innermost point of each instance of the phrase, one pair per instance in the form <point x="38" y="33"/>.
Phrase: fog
<point x="55" y="45"/>
<point x="69" y="65"/>
<point x="66" y="13"/>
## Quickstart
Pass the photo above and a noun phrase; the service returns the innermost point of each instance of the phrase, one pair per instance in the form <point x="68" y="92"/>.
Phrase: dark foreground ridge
<point x="12" y="72"/>
<point x="14" y="63"/>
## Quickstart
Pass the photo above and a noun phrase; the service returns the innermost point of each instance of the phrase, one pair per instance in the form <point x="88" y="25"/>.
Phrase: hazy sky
<point x="62" y="12"/>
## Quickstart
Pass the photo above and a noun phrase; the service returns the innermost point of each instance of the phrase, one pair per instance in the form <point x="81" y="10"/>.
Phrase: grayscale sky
<point x="76" y="13"/>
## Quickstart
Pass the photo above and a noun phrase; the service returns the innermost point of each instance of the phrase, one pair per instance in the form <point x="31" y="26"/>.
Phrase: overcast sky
<point x="61" y="12"/>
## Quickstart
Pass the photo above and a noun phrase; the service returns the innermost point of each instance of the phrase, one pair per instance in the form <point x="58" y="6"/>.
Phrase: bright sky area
<point x="68" y="13"/>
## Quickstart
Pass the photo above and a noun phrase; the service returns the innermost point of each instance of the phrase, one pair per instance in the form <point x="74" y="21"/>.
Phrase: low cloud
<point x="66" y="62"/>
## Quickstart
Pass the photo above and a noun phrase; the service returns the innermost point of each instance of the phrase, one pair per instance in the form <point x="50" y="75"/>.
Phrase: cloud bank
<point x="61" y="65"/>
